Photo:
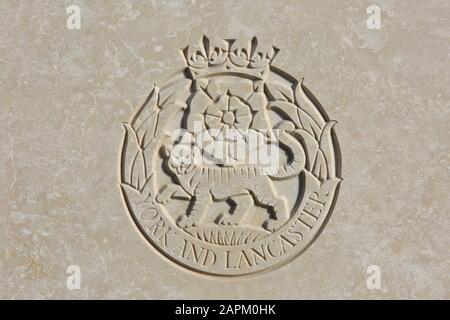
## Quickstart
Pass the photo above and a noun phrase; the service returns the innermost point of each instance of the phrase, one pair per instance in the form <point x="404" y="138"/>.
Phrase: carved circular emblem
<point x="231" y="167"/>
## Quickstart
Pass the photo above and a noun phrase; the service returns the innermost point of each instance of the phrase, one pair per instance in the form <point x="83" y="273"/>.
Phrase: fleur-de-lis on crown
<point x="214" y="56"/>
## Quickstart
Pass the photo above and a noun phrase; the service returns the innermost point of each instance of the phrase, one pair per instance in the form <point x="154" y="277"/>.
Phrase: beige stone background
<point x="64" y="94"/>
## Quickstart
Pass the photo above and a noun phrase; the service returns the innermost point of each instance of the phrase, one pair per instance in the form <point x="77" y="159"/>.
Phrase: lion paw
<point x="163" y="197"/>
<point x="272" y="225"/>
<point x="229" y="219"/>
<point x="187" y="221"/>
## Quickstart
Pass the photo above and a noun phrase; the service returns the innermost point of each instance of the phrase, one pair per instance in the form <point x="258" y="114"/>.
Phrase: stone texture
<point x="65" y="93"/>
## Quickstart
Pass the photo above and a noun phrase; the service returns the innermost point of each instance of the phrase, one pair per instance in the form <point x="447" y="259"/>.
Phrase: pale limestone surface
<point x="65" y="93"/>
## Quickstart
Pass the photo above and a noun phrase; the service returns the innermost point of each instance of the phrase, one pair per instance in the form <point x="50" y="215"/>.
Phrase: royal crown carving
<point x="221" y="56"/>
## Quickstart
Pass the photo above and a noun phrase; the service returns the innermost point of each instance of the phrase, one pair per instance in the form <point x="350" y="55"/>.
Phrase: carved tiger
<point x="238" y="184"/>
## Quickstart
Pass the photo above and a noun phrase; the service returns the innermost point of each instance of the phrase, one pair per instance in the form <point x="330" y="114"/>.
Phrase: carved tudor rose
<point x="231" y="167"/>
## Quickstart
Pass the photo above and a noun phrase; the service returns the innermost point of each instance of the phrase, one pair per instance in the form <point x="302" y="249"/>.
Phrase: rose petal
<point x="213" y="121"/>
<point x="223" y="102"/>
<point x="235" y="104"/>
<point x="214" y="110"/>
<point x="243" y="121"/>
